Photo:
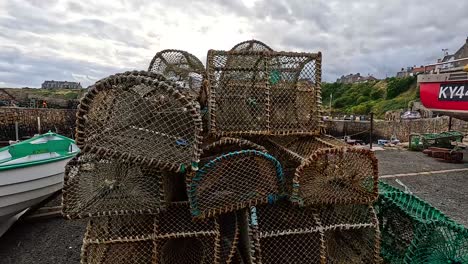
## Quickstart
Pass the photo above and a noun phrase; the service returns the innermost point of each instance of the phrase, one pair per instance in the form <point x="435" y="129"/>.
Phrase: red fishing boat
<point x="446" y="91"/>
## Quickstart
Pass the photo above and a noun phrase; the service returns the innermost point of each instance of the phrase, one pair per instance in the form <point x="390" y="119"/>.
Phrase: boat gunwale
<point x="36" y="162"/>
<point x="62" y="155"/>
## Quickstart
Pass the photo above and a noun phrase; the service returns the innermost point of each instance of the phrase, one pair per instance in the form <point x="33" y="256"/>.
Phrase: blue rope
<point x="213" y="163"/>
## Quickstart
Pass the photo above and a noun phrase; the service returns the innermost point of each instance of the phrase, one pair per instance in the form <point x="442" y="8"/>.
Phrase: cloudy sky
<point x="81" y="40"/>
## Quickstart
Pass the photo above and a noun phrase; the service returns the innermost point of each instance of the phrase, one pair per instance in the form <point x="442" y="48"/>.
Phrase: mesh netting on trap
<point x="264" y="92"/>
<point x="178" y="239"/>
<point x="226" y="145"/>
<point x="96" y="186"/>
<point x="119" y="240"/>
<point x="251" y="45"/>
<point x="139" y="116"/>
<point x="186" y="70"/>
<point x="281" y="233"/>
<point x="168" y="237"/>
<point x="352" y="233"/>
<point x="293" y="150"/>
<point x="336" y="176"/>
<point x="439" y="243"/>
<point x="415" y="232"/>
<point x="233" y="181"/>
<point x="288" y="162"/>
<point x="176" y="182"/>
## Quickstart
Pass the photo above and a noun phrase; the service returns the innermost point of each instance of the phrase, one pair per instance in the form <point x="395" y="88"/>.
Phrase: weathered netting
<point x="178" y="239"/>
<point x="251" y="45"/>
<point x="439" y="243"/>
<point x="294" y="152"/>
<point x="264" y="92"/>
<point x="135" y="252"/>
<point x="226" y="145"/>
<point x="169" y="236"/>
<point x="332" y="141"/>
<point x="230" y="232"/>
<point x="409" y="204"/>
<point x="351" y="233"/>
<point x="415" y="232"/>
<point x="295" y="149"/>
<point x="282" y="233"/>
<point x="119" y="239"/>
<point x="336" y="176"/>
<point x="142" y="118"/>
<point x="140" y="132"/>
<point x="183" y="68"/>
<point x="325" y="170"/>
<point x="221" y="147"/>
<point x="233" y="181"/>
<point x="96" y="186"/>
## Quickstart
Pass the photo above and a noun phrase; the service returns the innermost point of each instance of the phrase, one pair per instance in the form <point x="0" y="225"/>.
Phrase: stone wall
<point x="61" y="121"/>
<point x="401" y="128"/>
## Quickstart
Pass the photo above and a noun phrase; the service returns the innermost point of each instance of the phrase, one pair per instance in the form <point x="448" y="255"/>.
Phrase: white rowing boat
<point x="31" y="171"/>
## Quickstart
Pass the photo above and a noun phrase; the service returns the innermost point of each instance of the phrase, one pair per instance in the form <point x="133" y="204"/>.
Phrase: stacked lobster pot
<point x="140" y="134"/>
<point x="309" y="200"/>
<point x="228" y="164"/>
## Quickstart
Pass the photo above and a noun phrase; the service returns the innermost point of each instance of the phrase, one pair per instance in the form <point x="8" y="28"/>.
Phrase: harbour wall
<point x="399" y="128"/>
<point x="61" y="121"/>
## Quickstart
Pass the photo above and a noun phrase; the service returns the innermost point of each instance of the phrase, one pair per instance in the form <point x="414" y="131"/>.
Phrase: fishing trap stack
<point x="226" y="163"/>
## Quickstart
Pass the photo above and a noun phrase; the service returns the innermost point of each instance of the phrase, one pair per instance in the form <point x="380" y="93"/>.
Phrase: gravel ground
<point x="446" y="191"/>
<point x="59" y="241"/>
<point x="53" y="240"/>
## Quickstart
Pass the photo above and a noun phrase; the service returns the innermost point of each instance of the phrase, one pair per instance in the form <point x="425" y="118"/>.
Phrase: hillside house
<point x="355" y="78"/>
<point x="461" y="53"/>
<point x="60" y="85"/>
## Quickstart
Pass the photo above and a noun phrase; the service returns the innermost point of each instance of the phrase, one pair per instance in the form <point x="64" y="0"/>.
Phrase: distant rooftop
<point x="61" y="85"/>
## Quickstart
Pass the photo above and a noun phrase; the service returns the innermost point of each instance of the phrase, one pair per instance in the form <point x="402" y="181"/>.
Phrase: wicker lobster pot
<point x="322" y="170"/>
<point x="96" y="186"/>
<point x="226" y="145"/>
<point x="186" y="70"/>
<point x="119" y="239"/>
<point x="140" y="117"/>
<point x="336" y="176"/>
<point x="180" y="240"/>
<point x="351" y="232"/>
<point x="234" y="181"/>
<point x="263" y="92"/>
<point x="251" y="45"/>
<point x="282" y="233"/>
<point x="167" y="237"/>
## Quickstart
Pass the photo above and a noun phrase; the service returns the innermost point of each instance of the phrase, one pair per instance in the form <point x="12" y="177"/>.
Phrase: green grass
<point x="376" y="96"/>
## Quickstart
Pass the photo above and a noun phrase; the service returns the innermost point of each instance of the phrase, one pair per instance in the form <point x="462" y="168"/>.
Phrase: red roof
<point x="421" y="69"/>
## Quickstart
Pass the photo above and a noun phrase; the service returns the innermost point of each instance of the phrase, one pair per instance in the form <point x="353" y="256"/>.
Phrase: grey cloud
<point x="20" y="70"/>
<point x="368" y="36"/>
<point x="294" y="11"/>
<point x="355" y="36"/>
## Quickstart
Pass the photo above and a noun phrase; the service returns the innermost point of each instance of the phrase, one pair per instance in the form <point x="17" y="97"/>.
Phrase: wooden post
<point x="450" y="123"/>
<point x="39" y="124"/>
<point x="16" y="131"/>
<point x="371" y="129"/>
<point x="409" y="127"/>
